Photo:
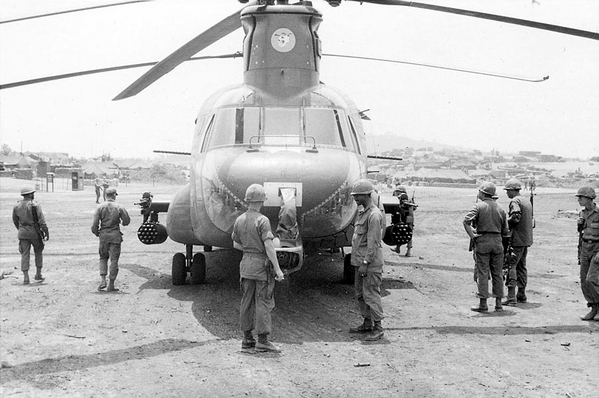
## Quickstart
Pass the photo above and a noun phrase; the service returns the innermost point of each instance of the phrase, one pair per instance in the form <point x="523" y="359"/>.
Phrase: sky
<point x="559" y="116"/>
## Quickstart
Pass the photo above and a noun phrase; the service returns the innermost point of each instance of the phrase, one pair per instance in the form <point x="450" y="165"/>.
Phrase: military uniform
<point x="520" y="222"/>
<point x="367" y="257"/>
<point x="22" y="217"/>
<point x="588" y="226"/>
<point x="106" y="225"/>
<point x="250" y="230"/>
<point x="491" y="226"/>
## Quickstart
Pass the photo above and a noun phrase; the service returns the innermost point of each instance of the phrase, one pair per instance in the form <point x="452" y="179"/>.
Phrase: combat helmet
<point x="587" y="191"/>
<point x="362" y="187"/>
<point x="513" y="184"/>
<point x="401" y="188"/>
<point x="111" y="192"/>
<point x="255" y="193"/>
<point x="26" y="190"/>
<point x="488" y="188"/>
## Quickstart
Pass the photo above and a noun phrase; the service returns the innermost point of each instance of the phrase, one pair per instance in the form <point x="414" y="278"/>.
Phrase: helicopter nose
<point x="321" y="180"/>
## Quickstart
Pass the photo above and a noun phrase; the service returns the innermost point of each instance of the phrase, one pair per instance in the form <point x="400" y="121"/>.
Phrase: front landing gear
<point x="184" y="263"/>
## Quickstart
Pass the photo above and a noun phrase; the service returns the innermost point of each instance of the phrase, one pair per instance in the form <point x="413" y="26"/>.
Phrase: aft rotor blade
<point x="524" y="79"/>
<point x="103" y="70"/>
<point x="74" y="10"/>
<point x="492" y="17"/>
<point x="203" y="40"/>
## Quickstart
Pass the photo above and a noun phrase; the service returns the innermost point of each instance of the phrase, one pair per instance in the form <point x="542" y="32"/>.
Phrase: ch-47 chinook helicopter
<point x="283" y="128"/>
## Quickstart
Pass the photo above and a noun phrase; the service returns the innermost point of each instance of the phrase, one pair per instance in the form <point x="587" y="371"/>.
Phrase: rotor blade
<point x="492" y="17"/>
<point x="74" y="10"/>
<point x="203" y="40"/>
<point x="524" y="79"/>
<point x="103" y="70"/>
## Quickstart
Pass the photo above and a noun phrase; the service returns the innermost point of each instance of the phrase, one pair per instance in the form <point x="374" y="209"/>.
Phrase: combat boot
<point x="511" y="296"/>
<point x="365" y="327"/>
<point x="498" y="306"/>
<point x="521" y="297"/>
<point x="482" y="306"/>
<point x="25" y="277"/>
<point x="263" y="345"/>
<point x="111" y="287"/>
<point x="38" y="275"/>
<point x="377" y="332"/>
<point x="248" y="340"/>
<point x="592" y="314"/>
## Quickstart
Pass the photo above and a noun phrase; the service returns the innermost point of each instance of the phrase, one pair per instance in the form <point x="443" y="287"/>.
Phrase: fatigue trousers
<point x="257" y="303"/>
<point x="25" y="250"/>
<point x="517" y="273"/>
<point x="368" y="294"/>
<point x="589" y="271"/>
<point x="110" y="251"/>
<point x="488" y="255"/>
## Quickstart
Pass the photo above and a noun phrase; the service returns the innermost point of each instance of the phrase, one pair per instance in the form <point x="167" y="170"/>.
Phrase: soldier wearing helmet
<point x="367" y="258"/>
<point x="29" y="220"/>
<point x="491" y="227"/>
<point x="588" y="249"/>
<point x="252" y="234"/>
<point x="521" y="224"/>
<point x="106" y="225"/>
<point x="404" y="215"/>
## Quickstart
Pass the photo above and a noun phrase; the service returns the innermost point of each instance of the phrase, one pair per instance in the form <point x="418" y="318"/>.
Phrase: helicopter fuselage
<point x="281" y="128"/>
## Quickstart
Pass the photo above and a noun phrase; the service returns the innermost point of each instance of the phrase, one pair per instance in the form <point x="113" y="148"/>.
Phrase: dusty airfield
<point x="62" y="338"/>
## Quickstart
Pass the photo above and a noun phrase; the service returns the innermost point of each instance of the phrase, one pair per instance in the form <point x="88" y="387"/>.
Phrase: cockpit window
<point x="279" y="126"/>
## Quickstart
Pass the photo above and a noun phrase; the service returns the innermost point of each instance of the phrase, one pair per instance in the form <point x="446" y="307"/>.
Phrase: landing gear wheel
<point x="198" y="269"/>
<point x="179" y="269"/>
<point x="349" y="271"/>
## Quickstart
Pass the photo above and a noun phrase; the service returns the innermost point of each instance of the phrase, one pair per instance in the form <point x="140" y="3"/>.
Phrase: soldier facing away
<point x="491" y="227"/>
<point x="106" y="225"/>
<point x="29" y="220"/>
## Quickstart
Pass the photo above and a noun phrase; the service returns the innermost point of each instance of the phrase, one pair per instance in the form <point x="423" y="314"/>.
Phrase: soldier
<point x="491" y="227"/>
<point x="404" y="214"/>
<point x="520" y="223"/>
<point x="253" y="235"/>
<point x="106" y="225"/>
<point x="29" y="220"/>
<point x="588" y="250"/>
<point x="367" y="257"/>
<point x="98" y="188"/>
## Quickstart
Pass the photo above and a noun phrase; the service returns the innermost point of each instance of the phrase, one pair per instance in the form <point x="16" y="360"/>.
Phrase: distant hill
<point x="388" y="141"/>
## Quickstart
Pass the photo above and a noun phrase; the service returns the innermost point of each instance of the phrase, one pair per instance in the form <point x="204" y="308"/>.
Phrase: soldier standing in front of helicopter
<point x="28" y="218"/>
<point x="588" y="250"/>
<point x="367" y="258"/>
<point x="253" y="235"/>
<point x="491" y="227"/>
<point x="520" y="223"/>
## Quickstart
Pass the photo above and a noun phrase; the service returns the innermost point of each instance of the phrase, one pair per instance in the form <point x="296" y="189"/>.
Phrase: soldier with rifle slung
<point x="29" y="220"/>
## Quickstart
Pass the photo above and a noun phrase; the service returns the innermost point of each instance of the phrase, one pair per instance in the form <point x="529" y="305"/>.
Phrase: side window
<point x="207" y="133"/>
<point x="354" y="136"/>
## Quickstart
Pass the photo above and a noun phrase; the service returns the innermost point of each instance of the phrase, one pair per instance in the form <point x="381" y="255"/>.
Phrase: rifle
<point x="36" y="223"/>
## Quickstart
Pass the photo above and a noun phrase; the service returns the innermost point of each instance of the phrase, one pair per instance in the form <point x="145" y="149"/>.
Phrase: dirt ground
<point x="62" y="338"/>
